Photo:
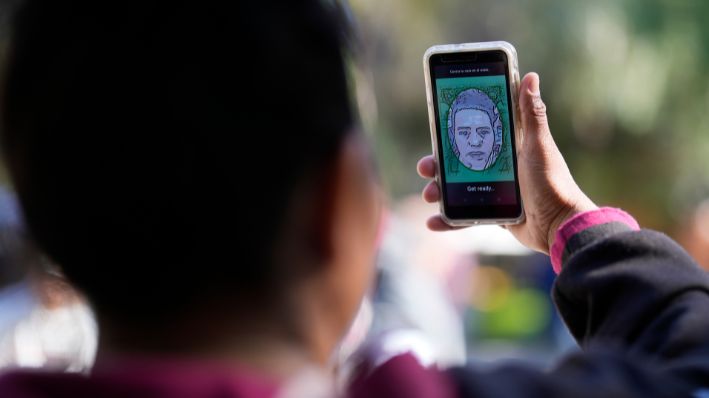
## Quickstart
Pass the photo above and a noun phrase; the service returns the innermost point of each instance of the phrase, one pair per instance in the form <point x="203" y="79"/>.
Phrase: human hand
<point x="549" y="193"/>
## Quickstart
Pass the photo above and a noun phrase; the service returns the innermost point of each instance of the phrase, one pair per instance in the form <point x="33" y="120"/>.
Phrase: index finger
<point x="426" y="167"/>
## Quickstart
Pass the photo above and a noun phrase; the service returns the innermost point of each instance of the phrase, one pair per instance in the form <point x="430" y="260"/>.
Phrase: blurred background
<point x="626" y="83"/>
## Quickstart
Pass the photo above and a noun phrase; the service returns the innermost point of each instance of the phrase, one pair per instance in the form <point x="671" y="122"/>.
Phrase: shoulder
<point x="401" y="376"/>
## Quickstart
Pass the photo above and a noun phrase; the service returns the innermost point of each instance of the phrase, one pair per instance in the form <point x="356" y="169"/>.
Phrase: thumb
<point x="533" y="110"/>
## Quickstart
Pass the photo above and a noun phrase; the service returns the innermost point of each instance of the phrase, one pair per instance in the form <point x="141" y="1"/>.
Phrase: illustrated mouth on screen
<point x="475" y="154"/>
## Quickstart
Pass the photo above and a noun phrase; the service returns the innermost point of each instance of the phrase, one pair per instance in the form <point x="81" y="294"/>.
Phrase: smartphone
<point x="472" y="91"/>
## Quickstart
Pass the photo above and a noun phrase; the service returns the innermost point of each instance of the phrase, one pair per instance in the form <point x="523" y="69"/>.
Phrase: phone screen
<point x="475" y="133"/>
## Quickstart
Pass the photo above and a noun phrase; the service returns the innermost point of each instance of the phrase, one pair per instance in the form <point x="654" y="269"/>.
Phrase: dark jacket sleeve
<point x="639" y="307"/>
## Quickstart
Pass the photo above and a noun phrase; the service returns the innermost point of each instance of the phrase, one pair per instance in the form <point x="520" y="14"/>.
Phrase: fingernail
<point x="534" y="85"/>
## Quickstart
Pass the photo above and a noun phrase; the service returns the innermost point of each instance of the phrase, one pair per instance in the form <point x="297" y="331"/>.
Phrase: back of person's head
<point x="158" y="146"/>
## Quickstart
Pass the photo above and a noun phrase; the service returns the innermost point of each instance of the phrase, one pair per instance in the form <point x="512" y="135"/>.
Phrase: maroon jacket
<point x="160" y="379"/>
<point x="140" y="379"/>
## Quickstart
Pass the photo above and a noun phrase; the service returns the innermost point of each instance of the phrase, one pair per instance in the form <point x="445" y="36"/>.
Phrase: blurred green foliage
<point x="626" y="84"/>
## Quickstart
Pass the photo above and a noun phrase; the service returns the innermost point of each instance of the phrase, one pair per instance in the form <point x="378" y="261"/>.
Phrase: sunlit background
<point x="626" y="83"/>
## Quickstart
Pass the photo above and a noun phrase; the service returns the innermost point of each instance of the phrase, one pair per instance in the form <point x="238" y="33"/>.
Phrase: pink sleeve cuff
<point x="583" y="221"/>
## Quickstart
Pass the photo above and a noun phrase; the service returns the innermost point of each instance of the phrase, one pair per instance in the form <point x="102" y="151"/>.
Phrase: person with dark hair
<point x="135" y="133"/>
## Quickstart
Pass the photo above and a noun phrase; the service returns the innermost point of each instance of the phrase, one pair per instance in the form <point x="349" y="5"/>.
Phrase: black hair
<point x="156" y="145"/>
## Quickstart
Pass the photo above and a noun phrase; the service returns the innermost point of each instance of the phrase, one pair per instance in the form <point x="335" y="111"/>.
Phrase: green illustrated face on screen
<point x="474" y="115"/>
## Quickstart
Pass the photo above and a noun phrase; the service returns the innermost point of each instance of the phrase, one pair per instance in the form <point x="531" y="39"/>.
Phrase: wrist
<point x="566" y="213"/>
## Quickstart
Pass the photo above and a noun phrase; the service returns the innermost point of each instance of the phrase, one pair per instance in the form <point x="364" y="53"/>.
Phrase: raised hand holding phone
<point x="550" y="194"/>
